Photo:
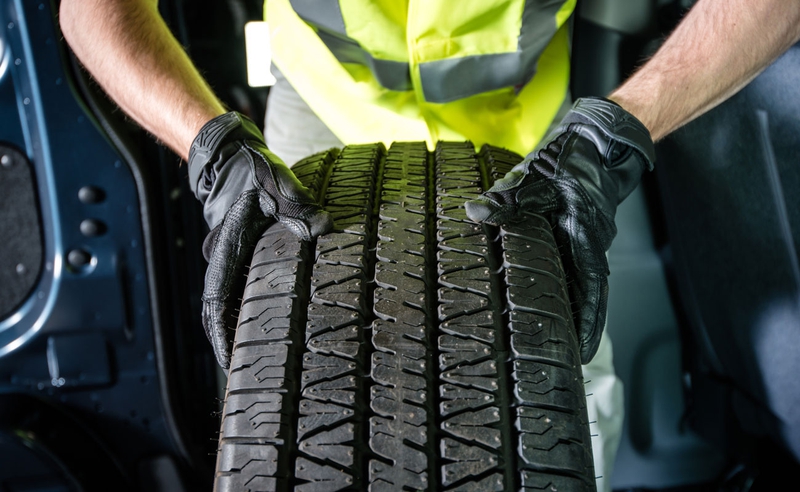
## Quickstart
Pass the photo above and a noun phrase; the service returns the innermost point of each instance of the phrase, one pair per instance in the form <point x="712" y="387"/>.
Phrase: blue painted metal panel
<point x="106" y="300"/>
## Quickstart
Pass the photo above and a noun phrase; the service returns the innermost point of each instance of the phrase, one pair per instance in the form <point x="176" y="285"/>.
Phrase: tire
<point x="410" y="348"/>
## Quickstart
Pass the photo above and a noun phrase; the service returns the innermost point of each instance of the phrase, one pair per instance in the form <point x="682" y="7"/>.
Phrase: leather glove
<point x="243" y="187"/>
<point x="592" y="161"/>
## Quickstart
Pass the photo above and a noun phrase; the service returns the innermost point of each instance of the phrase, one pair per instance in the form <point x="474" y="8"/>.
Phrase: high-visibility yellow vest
<point x="489" y="71"/>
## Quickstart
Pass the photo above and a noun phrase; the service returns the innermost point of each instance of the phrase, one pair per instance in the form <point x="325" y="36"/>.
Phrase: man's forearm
<point x="718" y="48"/>
<point x="129" y="50"/>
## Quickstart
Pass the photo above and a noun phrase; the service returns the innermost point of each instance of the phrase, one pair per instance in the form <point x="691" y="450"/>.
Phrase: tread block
<point x="453" y="190"/>
<point x="342" y="342"/>
<point x="468" y="461"/>
<point x="458" y="398"/>
<point x="540" y="348"/>
<point x="474" y="426"/>
<point x="402" y="394"/>
<point x="328" y="445"/>
<point x="474" y="244"/>
<point x="541" y="374"/>
<point x="492" y="483"/>
<point x="322" y="317"/>
<point x="475" y="280"/>
<point x="542" y="421"/>
<point x="386" y="477"/>
<point x="539" y="290"/>
<point x="389" y="402"/>
<point x="350" y="175"/>
<point x="274" y="245"/>
<point x="348" y="189"/>
<point x="555" y="454"/>
<point x="401" y="277"/>
<point x="450" y="201"/>
<point x="453" y="260"/>
<point x="478" y="325"/>
<point x="457" y="350"/>
<point x="337" y="285"/>
<point x="395" y="427"/>
<point x="396" y="343"/>
<point x="454" y="303"/>
<point x="346" y="249"/>
<point x="320" y="478"/>
<point x="341" y="249"/>
<point x="317" y="415"/>
<point x="482" y="375"/>
<point x="334" y="391"/>
<point x="533" y="394"/>
<point x="268" y="319"/>
<point x="259" y="366"/>
<point x="390" y="309"/>
<point x="413" y="332"/>
<point x="536" y="482"/>
<point x="392" y="448"/>
<point x="449" y="227"/>
<point x="410" y="297"/>
<point x="389" y="369"/>
<point x="400" y="241"/>
<point x="255" y="416"/>
<point x="342" y="293"/>
<point x="275" y="277"/>
<point x="239" y="483"/>
<point x="531" y="255"/>
<point x="318" y="366"/>
<point x="250" y="458"/>
<point x="541" y="325"/>
<point x="359" y="179"/>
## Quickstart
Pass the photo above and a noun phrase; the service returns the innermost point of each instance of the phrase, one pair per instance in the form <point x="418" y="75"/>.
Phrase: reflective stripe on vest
<point x="393" y="75"/>
<point x="325" y="16"/>
<point x="447" y="79"/>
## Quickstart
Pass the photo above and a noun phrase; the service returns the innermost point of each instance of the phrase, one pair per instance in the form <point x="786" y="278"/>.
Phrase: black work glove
<point x="592" y="161"/>
<point x="243" y="187"/>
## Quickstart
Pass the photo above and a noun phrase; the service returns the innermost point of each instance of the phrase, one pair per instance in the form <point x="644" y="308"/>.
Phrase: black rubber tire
<point x="410" y="348"/>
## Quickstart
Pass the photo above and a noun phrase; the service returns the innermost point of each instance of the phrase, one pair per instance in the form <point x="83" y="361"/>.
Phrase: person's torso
<point x="489" y="71"/>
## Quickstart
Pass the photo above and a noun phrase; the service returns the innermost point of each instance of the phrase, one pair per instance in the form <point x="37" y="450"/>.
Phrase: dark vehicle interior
<point x="107" y="381"/>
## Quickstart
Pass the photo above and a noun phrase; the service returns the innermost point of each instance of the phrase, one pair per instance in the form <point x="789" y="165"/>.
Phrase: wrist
<point x="212" y="137"/>
<point x="606" y="123"/>
<point x="644" y="96"/>
<point x="630" y="105"/>
<point x="194" y="123"/>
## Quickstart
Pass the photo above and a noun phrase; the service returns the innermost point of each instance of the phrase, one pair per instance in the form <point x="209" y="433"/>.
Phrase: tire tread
<point x="410" y="348"/>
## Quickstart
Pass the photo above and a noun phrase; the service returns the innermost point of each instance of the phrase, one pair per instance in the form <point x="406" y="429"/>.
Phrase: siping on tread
<point x="410" y="348"/>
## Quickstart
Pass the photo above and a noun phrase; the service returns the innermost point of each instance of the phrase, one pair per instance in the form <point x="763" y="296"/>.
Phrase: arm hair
<point x="129" y="50"/>
<point x="719" y="47"/>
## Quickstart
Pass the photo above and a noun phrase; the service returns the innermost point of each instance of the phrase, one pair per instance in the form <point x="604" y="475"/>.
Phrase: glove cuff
<point x="214" y="135"/>
<point x="615" y="123"/>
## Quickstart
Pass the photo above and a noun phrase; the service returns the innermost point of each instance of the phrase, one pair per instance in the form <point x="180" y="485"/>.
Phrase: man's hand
<point x="243" y="186"/>
<point x="593" y="160"/>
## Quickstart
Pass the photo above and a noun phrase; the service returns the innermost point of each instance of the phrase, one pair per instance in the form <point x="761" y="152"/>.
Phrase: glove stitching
<point x="275" y="182"/>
